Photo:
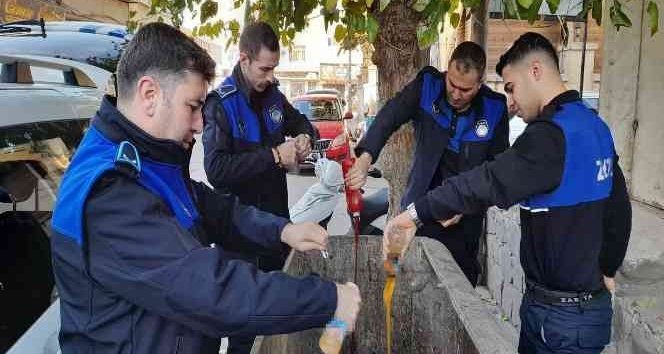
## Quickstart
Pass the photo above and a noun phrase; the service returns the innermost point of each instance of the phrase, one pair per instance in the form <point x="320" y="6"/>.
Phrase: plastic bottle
<point x="333" y="336"/>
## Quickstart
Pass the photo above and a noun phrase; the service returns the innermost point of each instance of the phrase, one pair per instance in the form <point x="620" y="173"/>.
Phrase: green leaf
<point x="237" y="4"/>
<point x="618" y="17"/>
<point x="653" y="14"/>
<point x="525" y="3"/>
<point x="340" y="33"/>
<point x="532" y="13"/>
<point x="597" y="11"/>
<point x="420" y="5"/>
<point x="372" y="28"/>
<point x="208" y="10"/>
<point x="330" y="5"/>
<point x="383" y="4"/>
<point x="511" y="9"/>
<point x="553" y="5"/>
<point x="470" y="4"/>
<point x="453" y="6"/>
<point x="426" y="36"/>
<point x="369" y="3"/>
<point x="455" y="19"/>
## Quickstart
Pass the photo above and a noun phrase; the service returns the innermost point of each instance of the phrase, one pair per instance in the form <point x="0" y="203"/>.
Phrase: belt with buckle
<point x="561" y="298"/>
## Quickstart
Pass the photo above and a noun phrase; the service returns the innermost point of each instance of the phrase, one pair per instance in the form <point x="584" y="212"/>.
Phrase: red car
<point x="324" y="112"/>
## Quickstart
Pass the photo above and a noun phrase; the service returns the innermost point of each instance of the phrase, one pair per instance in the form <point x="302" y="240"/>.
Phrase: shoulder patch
<point x="127" y="156"/>
<point x="225" y="90"/>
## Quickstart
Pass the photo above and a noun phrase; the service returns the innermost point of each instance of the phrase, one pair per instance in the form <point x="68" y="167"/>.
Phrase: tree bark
<point x="398" y="59"/>
<point x="480" y="20"/>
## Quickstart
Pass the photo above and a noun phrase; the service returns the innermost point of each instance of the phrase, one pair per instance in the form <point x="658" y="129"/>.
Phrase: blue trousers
<point x="582" y="329"/>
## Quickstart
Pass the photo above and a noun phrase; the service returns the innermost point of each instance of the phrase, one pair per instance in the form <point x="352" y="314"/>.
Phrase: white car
<point x="47" y="104"/>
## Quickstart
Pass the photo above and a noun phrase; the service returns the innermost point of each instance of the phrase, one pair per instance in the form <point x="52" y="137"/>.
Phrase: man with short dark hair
<point x="139" y="248"/>
<point x="246" y="121"/>
<point x="575" y="210"/>
<point x="459" y="124"/>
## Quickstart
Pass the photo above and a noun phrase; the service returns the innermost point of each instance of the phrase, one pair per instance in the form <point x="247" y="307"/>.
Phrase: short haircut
<point x="469" y="56"/>
<point x="162" y="51"/>
<point x="256" y="36"/>
<point x="529" y="42"/>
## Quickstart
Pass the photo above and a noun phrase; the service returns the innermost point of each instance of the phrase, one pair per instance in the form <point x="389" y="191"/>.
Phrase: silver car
<point x="47" y="104"/>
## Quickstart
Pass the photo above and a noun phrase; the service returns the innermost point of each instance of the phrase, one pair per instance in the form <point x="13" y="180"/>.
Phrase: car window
<point x="47" y="75"/>
<point x="33" y="159"/>
<point x="319" y="109"/>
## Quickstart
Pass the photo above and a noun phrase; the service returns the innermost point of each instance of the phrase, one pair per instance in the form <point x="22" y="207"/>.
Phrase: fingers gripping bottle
<point x="333" y="336"/>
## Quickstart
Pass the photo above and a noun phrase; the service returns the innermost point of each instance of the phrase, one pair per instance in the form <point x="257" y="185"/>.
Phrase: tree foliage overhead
<point x="355" y="19"/>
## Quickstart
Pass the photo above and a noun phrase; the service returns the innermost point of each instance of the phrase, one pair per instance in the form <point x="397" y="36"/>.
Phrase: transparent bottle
<point x="333" y="336"/>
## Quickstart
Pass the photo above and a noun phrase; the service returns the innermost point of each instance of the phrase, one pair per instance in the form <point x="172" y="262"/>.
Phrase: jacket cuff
<point x="423" y="210"/>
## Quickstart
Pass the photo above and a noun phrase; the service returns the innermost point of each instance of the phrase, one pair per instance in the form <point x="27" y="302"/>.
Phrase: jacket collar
<point x="552" y="107"/>
<point x="116" y="127"/>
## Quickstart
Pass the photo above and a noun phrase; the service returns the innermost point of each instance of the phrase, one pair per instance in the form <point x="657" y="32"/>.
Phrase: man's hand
<point x="305" y="236"/>
<point x="348" y="304"/>
<point x="288" y="154"/>
<point x="610" y="284"/>
<point x="451" y="221"/>
<point x="357" y="175"/>
<point x="398" y="234"/>
<point x="302" y="146"/>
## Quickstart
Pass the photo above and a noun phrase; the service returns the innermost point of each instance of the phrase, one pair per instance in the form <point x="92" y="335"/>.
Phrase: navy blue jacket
<point x="575" y="210"/>
<point x="133" y="260"/>
<point x="241" y="128"/>
<point x="479" y="135"/>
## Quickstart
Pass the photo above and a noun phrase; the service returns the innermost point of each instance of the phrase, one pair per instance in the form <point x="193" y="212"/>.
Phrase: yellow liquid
<point x="387" y="301"/>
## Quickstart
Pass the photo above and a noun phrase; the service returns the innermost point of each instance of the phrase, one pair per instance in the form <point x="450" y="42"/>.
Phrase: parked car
<point x="324" y="112"/>
<point x="47" y="104"/>
<point x="94" y="43"/>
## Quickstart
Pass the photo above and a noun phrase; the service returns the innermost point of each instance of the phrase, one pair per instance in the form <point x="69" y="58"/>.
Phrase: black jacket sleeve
<point x="225" y="219"/>
<point x="501" y="137"/>
<point x="141" y="253"/>
<point x="533" y="165"/>
<point x="224" y="166"/>
<point x="617" y="225"/>
<point x="296" y="123"/>
<point x="397" y="111"/>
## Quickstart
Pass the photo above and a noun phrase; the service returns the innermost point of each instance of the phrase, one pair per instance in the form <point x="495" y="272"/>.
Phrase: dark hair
<point x="467" y="56"/>
<point x="161" y="50"/>
<point x="529" y="42"/>
<point x="256" y="36"/>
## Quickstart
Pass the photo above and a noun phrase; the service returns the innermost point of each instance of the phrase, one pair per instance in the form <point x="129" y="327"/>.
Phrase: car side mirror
<point x="348" y="115"/>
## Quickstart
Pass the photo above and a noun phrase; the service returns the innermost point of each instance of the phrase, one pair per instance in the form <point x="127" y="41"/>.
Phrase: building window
<point x="340" y="71"/>
<point x="297" y="88"/>
<point x="297" y="54"/>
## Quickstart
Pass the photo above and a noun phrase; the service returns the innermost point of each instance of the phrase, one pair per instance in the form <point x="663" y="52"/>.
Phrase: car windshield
<point x="318" y="109"/>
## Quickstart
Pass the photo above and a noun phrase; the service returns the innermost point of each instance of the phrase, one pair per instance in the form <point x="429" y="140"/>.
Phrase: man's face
<point x="521" y="96"/>
<point x="180" y="109"/>
<point x="461" y="87"/>
<point x="259" y="71"/>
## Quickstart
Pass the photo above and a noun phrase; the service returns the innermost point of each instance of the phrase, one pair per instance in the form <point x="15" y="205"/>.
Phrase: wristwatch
<point x="412" y="212"/>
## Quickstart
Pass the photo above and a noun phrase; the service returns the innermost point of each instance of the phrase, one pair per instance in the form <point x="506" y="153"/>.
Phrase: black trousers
<point x="462" y="240"/>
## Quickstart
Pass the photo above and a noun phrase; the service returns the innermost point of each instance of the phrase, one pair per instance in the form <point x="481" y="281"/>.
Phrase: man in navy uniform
<point x="459" y="124"/>
<point x="138" y="247"/>
<point x="575" y="211"/>
<point x="246" y="121"/>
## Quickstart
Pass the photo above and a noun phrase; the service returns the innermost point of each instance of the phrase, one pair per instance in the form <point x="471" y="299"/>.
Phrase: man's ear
<point x="536" y="69"/>
<point x="244" y="58"/>
<point x="147" y="94"/>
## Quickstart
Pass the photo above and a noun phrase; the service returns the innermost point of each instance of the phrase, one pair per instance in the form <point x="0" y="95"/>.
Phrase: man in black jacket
<point x="139" y="250"/>
<point x="575" y="210"/>
<point x="459" y="124"/>
<point x="246" y="121"/>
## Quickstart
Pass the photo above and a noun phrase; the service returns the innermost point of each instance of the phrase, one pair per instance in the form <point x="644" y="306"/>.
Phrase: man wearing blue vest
<point x="459" y="124"/>
<point x="139" y="248"/>
<point x="575" y="211"/>
<point x="246" y="121"/>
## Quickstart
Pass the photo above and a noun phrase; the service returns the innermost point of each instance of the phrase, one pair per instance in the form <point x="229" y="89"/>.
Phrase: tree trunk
<point x="398" y="59"/>
<point x="480" y="23"/>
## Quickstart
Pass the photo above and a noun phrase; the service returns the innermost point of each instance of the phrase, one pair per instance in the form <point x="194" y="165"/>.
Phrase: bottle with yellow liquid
<point x="333" y="336"/>
<point x="391" y="266"/>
